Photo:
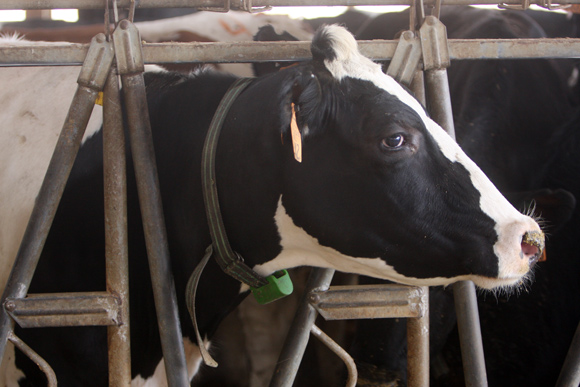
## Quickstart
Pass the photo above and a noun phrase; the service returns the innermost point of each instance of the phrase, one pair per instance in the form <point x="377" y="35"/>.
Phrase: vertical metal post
<point x="469" y="334"/>
<point x="116" y="250"/>
<point x="91" y="80"/>
<point x="130" y="64"/>
<point x="299" y="333"/>
<point x="438" y="99"/>
<point x="418" y="346"/>
<point x="436" y="60"/>
<point x="570" y="373"/>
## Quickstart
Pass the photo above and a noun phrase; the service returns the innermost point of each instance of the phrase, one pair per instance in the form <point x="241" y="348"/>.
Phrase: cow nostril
<point x="532" y="246"/>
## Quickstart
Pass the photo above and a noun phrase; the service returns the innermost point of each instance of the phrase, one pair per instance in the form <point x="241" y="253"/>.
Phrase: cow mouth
<point x="533" y="243"/>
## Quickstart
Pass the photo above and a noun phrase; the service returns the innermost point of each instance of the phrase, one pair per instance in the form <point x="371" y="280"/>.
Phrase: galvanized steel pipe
<point x="247" y="52"/>
<point x="570" y="373"/>
<point x="116" y="240"/>
<point x="469" y="334"/>
<point x="418" y="345"/>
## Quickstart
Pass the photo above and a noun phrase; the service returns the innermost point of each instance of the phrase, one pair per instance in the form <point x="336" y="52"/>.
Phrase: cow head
<point x="382" y="189"/>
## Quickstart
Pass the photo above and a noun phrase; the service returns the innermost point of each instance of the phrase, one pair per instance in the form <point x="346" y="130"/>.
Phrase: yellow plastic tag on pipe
<point x="99" y="100"/>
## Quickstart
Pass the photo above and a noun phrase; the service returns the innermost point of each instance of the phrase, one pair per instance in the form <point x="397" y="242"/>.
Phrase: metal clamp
<point x="434" y="44"/>
<point x="248" y="7"/>
<point x="244" y="5"/>
<point x="547" y="4"/>
<point x="406" y="58"/>
<point x="128" y="51"/>
<point x="523" y="6"/>
<point x="226" y="7"/>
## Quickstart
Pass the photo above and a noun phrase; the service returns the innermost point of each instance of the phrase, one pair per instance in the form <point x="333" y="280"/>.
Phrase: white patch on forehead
<point x="159" y="377"/>
<point x="301" y="249"/>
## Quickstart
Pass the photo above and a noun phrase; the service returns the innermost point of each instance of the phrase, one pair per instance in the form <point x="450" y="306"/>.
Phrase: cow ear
<point x="302" y="104"/>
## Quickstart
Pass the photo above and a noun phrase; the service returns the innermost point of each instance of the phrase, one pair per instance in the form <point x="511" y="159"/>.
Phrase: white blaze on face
<point x="301" y="249"/>
<point x="510" y="223"/>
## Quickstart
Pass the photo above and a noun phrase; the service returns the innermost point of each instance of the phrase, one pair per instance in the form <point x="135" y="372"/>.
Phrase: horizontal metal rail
<point x="236" y="4"/>
<point x="368" y="301"/>
<point x="65" y="309"/>
<point x="247" y="52"/>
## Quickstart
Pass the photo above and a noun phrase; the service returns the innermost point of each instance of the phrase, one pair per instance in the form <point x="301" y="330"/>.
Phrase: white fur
<point x="510" y="224"/>
<point x="301" y="249"/>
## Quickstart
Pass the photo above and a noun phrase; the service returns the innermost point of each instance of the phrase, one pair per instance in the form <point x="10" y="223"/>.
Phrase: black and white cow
<point x="504" y="122"/>
<point x="381" y="191"/>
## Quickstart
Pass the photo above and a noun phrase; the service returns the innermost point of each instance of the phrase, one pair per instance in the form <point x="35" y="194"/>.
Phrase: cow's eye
<point x="393" y="142"/>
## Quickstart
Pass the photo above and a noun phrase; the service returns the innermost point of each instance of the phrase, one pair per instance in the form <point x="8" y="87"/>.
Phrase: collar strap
<point x="230" y="261"/>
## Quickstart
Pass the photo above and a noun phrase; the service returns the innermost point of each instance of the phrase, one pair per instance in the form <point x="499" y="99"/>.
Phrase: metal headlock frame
<point x="318" y="297"/>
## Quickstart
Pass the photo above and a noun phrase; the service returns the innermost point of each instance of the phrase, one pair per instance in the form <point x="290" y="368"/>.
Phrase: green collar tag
<point x="279" y="285"/>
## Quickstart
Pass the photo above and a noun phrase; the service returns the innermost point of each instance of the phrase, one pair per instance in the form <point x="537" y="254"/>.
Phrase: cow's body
<point x="381" y="191"/>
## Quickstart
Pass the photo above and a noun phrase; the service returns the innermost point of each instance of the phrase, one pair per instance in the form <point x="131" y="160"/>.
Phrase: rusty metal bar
<point x="35" y="357"/>
<point x="418" y="345"/>
<point x="235" y="4"/>
<point x="299" y="333"/>
<point x="338" y="351"/>
<point x="116" y="241"/>
<point x="130" y="66"/>
<point x="91" y="80"/>
<point x="64" y="309"/>
<point x="246" y="52"/>
<point x="570" y="373"/>
<point x="368" y="301"/>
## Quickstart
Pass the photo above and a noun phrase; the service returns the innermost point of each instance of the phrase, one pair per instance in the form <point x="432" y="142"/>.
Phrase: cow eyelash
<point x="394" y="142"/>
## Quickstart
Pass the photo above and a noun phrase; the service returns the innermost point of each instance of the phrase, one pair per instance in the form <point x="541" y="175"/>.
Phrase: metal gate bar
<point x="238" y="4"/>
<point x="246" y="52"/>
<point x="570" y="373"/>
<point x="116" y="245"/>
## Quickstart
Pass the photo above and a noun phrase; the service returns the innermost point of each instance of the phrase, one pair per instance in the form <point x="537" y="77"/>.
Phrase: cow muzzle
<point x="533" y="244"/>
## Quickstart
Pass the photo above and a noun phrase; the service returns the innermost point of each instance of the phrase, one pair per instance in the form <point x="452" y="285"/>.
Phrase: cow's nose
<point x="533" y="243"/>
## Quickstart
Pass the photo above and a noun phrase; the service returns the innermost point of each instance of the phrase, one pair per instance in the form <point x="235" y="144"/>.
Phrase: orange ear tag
<point x="296" y="137"/>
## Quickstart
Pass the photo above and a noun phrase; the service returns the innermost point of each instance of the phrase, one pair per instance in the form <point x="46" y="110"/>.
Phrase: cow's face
<point x="383" y="191"/>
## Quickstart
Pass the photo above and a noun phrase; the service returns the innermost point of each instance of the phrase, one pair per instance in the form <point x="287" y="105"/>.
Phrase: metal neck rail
<point x="245" y="52"/>
<point x="240" y="4"/>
